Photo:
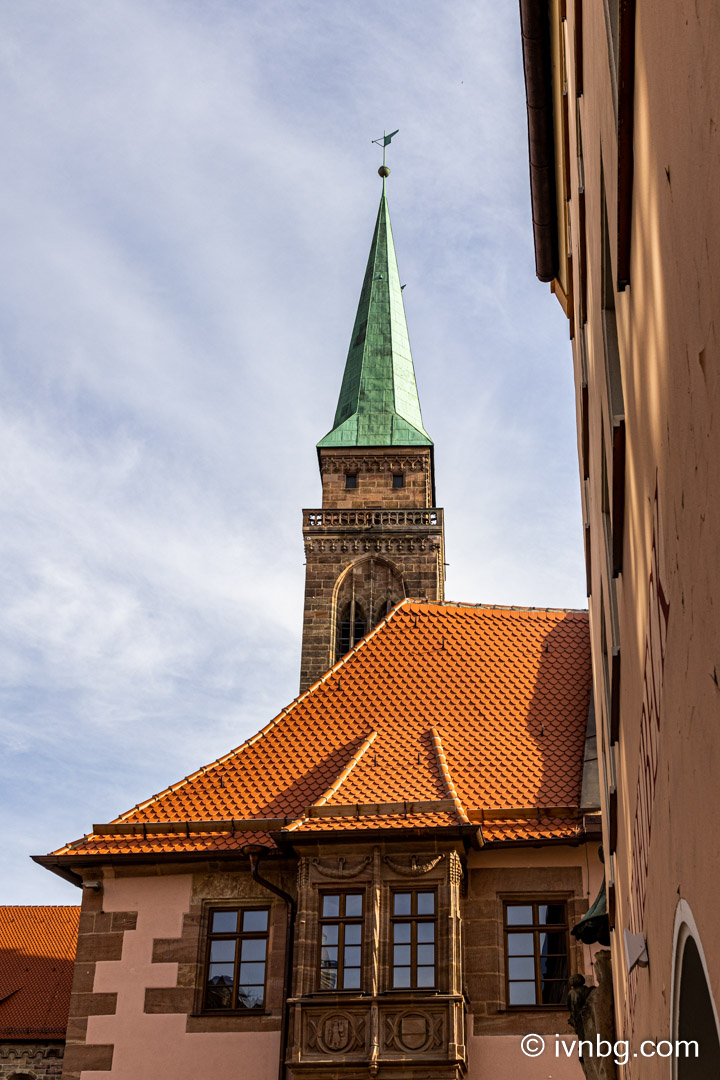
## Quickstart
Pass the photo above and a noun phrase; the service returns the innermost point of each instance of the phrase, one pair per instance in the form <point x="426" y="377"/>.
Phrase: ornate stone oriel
<point x="376" y="1029"/>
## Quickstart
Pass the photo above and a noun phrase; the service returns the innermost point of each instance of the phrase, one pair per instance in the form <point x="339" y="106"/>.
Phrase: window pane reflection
<point x="237" y="934"/>
<point x="331" y="906"/>
<point x="536" y="958"/>
<point x="522" y="993"/>
<point x="520" y="944"/>
<point x="402" y="903"/>
<point x="255" y="922"/>
<point x="519" y="915"/>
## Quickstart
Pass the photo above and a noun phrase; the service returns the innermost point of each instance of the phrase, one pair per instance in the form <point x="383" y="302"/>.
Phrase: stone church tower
<point x="378" y="537"/>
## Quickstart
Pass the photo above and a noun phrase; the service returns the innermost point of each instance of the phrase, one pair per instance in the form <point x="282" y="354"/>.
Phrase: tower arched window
<point x="351" y="627"/>
<point x="384" y="609"/>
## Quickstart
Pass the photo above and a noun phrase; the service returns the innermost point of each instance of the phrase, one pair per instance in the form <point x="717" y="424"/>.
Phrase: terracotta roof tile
<point x="166" y="843"/>
<point x="506" y="691"/>
<point x="379" y="821"/>
<point x="531" y="829"/>
<point x="37" y="954"/>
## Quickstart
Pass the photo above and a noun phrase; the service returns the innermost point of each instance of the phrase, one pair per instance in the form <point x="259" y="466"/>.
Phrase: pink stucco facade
<point x="147" y="1044"/>
<point x="635" y="91"/>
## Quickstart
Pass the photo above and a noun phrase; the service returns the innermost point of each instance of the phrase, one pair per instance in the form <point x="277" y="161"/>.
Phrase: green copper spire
<point x="379" y="404"/>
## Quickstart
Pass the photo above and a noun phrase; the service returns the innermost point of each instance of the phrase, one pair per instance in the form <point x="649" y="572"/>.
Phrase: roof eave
<point x="471" y="835"/>
<point x="537" y="69"/>
<point x="49" y="862"/>
<point x="584" y="837"/>
<point x="62" y="864"/>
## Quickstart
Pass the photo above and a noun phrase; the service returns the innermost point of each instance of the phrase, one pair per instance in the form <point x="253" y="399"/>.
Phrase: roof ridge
<point x="342" y="776"/>
<point x="445" y="773"/>
<point x="340" y="779"/>
<point x="492" y="607"/>
<point x="172" y="788"/>
<point x="406" y="600"/>
<point x="488" y="685"/>
<point x="42" y="907"/>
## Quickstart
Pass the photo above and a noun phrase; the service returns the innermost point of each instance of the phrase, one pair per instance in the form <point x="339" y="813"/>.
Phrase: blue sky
<point x="188" y="190"/>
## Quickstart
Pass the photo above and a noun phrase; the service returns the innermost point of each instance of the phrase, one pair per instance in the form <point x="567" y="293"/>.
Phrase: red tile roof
<point x="37" y="954"/>
<point x="475" y="706"/>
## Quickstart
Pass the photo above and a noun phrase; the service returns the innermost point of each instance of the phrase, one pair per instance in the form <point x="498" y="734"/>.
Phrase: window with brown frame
<point x="341" y="940"/>
<point x="414" y="925"/>
<point x="236" y="959"/>
<point x="536" y="953"/>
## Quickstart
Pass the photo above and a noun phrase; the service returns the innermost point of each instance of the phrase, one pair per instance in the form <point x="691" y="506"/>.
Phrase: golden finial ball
<point x="383" y="171"/>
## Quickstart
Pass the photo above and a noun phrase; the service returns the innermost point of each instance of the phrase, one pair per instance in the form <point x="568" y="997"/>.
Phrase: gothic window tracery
<point x="352" y="628"/>
<point x="367" y="592"/>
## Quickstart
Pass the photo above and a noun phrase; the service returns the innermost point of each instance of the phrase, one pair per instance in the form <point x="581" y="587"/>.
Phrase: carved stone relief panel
<point x="334" y="1031"/>
<point x="413" y="1031"/>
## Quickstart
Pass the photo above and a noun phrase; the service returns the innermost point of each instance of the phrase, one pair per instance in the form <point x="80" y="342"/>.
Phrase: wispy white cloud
<point x="186" y="200"/>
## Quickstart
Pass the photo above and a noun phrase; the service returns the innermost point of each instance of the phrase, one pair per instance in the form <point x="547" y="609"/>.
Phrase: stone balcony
<point x="325" y="521"/>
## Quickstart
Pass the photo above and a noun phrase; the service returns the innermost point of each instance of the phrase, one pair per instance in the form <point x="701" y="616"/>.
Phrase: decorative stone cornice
<point x="332" y="462"/>
<point x="385" y="545"/>
<point x="341" y="870"/>
<point x="31" y="1051"/>
<point x="413" y="868"/>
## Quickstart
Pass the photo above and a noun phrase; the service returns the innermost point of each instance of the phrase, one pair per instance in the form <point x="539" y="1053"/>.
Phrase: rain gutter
<point x="537" y="69"/>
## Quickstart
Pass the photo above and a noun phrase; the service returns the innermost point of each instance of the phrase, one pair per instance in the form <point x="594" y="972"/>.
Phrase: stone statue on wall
<point x="592" y="1017"/>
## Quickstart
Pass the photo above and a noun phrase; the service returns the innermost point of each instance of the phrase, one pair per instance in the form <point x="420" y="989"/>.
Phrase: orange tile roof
<point x="532" y="829"/>
<point x="37" y="954"/>
<point x="475" y="706"/>
<point x="379" y="821"/>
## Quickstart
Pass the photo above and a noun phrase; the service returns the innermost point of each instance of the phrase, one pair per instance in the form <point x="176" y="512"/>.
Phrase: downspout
<point x="254" y="854"/>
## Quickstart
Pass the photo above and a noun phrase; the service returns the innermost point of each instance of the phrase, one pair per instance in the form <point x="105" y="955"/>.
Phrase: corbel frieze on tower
<point x="378" y="536"/>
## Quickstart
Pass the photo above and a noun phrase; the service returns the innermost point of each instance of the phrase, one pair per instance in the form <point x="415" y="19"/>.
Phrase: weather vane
<point x="385" y="141"/>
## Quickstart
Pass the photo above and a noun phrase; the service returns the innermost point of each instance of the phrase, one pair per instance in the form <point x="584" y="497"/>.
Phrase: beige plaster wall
<point x="148" y="1046"/>
<point x="665" y="762"/>
<point x="558" y="864"/>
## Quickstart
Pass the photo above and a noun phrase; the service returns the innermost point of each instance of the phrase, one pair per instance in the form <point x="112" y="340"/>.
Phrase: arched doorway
<point x="694" y="1013"/>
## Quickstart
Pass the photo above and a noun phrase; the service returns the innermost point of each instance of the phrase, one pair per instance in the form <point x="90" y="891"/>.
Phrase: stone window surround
<point x="341" y="921"/>
<point x="532" y="897"/>
<point x="377" y="878"/>
<point x="206" y="940"/>
<point x="414" y="918"/>
<point x="492" y="879"/>
<point x="275" y="940"/>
